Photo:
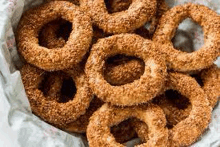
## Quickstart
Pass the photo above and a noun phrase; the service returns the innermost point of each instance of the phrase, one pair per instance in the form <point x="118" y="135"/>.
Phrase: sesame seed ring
<point x="58" y="58"/>
<point x="57" y="113"/>
<point x="200" y="59"/>
<point x="139" y="91"/>
<point x="138" y="13"/>
<point x="188" y="130"/>
<point x="211" y="84"/>
<point x="98" y="131"/>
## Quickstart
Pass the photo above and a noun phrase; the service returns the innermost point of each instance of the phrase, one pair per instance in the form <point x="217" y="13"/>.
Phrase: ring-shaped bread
<point x="188" y="130"/>
<point x="139" y="91"/>
<point x="197" y="60"/>
<point x="58" y="58"/>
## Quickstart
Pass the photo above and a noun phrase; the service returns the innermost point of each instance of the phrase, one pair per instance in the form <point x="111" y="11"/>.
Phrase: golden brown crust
<point x="59" y="58"/>
<point x="211" y="84"/>
<point x="205" y="56"/>
<point x="138" y="13"/>
<point x="54" y="84"/>
<point x="53" y="92"/>
<point x="139" y="91"/>
<point x="58" y="114"/>
<point x="98" y="131"/>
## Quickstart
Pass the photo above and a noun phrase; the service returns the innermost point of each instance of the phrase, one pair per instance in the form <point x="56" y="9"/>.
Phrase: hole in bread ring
<point x="121" y="69"/>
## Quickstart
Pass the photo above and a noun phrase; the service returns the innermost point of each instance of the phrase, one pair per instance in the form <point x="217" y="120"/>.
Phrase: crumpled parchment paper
<point x="20" y="128"/>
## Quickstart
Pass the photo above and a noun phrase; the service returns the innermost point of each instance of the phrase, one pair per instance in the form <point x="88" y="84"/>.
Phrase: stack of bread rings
<point x="92" y="66"/>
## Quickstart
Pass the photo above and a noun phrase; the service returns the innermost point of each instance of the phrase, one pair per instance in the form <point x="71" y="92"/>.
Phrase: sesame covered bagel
<point x="138" y="13"/>
<point x="49" y="109"/>
<point x="98" y="131"/>
<point x="200" y="59"/>
<point x="139" y="91"/>
<point x="188" y="130"/>
<point x="58" y="58"/>
<point x="177" y="108"/>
